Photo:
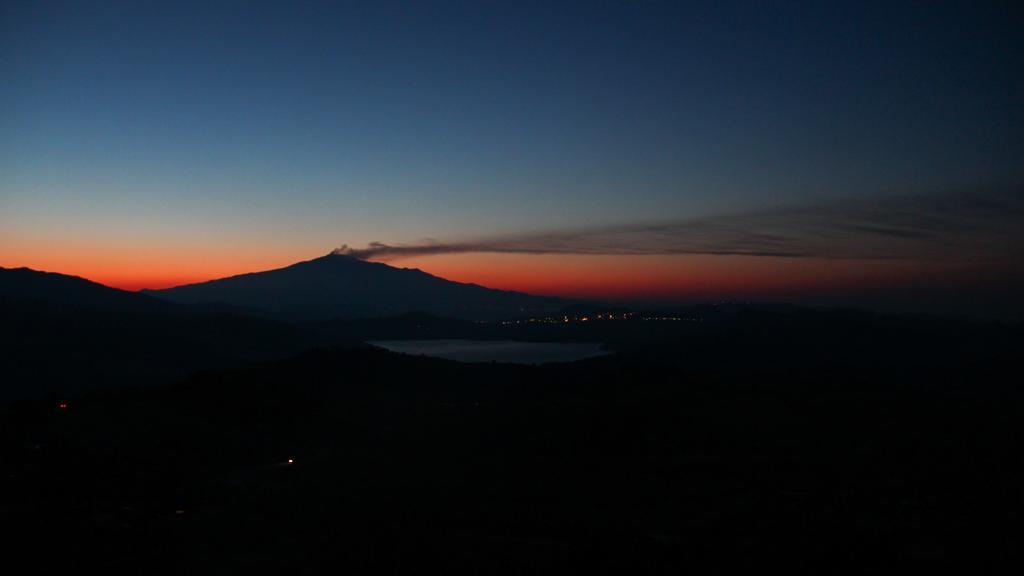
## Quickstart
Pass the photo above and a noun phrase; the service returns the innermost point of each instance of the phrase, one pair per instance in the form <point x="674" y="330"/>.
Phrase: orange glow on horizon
<point x="134" y="267"/>
<point x="670" y="277"/>
<point x="655" y="278"/>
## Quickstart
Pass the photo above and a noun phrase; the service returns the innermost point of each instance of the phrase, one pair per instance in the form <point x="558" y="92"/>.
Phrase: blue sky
<point x="325" y="123"/>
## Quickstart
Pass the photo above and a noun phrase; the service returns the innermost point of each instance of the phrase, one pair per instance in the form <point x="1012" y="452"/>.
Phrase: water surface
<point x="496" y="350"/>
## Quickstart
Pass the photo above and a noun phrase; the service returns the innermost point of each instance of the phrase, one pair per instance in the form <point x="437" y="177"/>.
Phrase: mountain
<point x="32" y="286"/>
<point x="63" y="335"/>
<point x="338" y="286"/>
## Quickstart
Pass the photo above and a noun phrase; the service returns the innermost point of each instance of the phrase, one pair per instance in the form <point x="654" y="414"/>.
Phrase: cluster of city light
<point x="569" y="319"/>
<point x="602" y="317"/>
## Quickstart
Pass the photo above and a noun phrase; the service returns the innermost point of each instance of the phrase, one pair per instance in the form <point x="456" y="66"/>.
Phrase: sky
<point x="523" y="145"/>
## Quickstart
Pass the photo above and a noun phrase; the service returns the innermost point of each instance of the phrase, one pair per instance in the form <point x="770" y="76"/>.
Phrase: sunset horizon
<point x="511" y="287"/>
<point x="643" y="157"/>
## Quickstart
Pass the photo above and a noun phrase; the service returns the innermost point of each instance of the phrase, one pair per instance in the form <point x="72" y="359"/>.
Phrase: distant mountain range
<point x="342" y="287"/>
<point x="65" y="335"/>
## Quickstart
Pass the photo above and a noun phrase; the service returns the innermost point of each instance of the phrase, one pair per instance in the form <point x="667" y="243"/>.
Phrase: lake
<point x="496" y="350"/>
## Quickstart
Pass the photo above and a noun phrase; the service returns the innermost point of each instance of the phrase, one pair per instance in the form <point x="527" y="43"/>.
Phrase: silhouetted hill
<point x="336" y="286"/>
<point x="25" y="284"/>
<point x="62" y="335"/>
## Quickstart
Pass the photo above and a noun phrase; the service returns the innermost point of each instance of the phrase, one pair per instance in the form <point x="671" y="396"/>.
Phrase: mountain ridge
<point x="31" y="285"/>
<point x="339" y="286"/>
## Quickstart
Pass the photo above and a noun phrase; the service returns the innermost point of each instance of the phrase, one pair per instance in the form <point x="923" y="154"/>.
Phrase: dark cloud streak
<point x="942" y="227"/>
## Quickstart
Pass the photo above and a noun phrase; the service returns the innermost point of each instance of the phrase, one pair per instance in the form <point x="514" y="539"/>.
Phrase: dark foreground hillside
<point x="816" y="450"/>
